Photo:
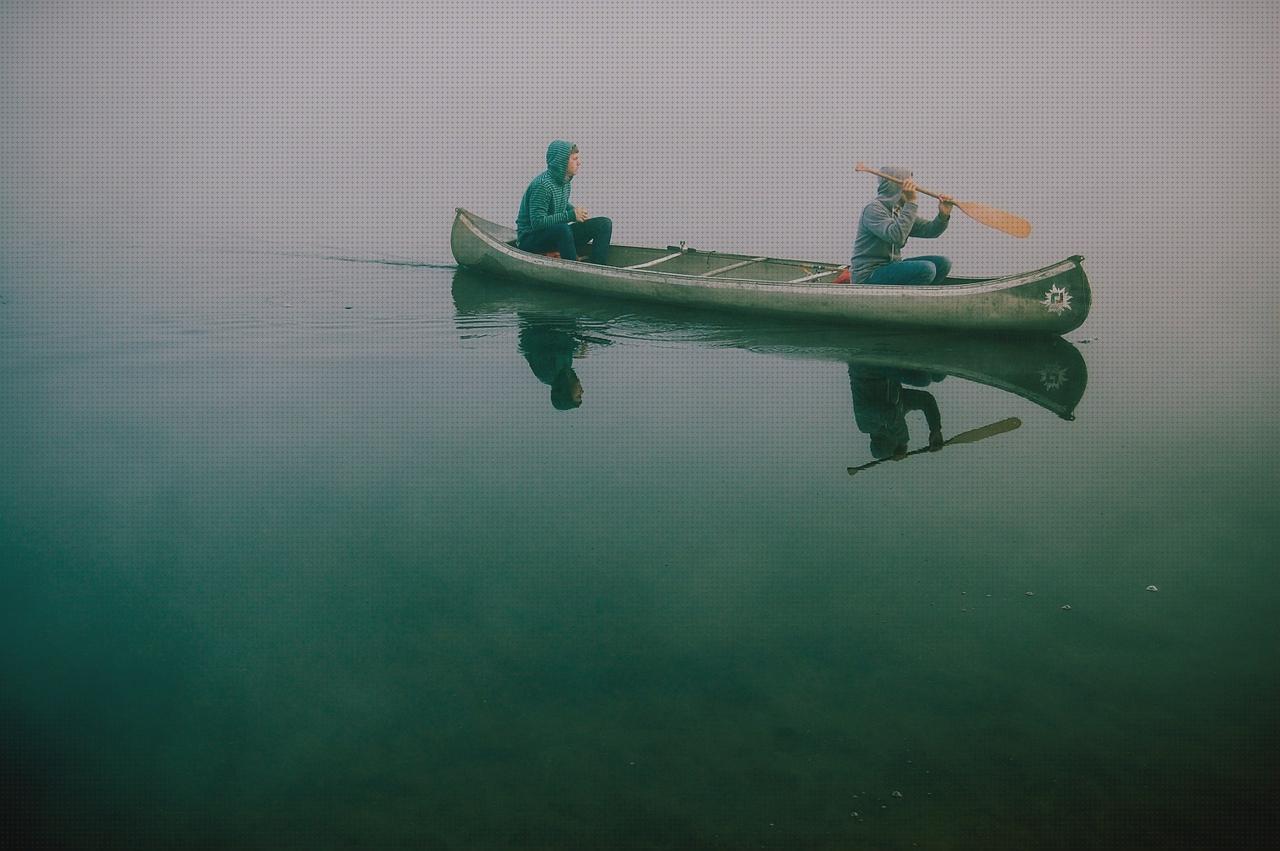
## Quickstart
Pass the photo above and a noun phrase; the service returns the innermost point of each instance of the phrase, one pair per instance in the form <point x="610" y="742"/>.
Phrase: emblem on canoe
<point x="1057" y="299"/>
<point x="1053" y="376"/>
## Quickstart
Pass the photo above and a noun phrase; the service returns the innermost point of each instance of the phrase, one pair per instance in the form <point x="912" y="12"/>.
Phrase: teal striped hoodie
<point x="546" y="201"/>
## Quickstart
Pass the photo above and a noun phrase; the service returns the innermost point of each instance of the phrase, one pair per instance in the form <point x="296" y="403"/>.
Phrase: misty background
<point x="1117" y="129"/>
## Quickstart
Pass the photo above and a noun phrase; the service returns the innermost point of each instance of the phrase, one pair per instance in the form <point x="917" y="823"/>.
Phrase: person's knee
<point x="920" y="272"/>
<point x="940" y="265"/>
<point x="562" y="234"/>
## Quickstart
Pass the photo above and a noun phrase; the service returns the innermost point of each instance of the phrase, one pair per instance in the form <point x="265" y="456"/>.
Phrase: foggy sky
<point x="732" y="125"/>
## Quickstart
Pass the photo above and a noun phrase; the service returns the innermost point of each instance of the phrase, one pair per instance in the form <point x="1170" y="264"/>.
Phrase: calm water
<point x="298" y="552"/>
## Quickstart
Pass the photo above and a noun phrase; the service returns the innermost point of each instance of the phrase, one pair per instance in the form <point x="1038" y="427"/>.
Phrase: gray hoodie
<point x="884" y="227"/>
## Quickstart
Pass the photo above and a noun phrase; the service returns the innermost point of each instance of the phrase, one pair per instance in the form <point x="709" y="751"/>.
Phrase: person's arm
<point x="920" y="400"/>
<point x="892" y="227"/>
<point x="540" y="209"/>
<point x="930" y="229"/>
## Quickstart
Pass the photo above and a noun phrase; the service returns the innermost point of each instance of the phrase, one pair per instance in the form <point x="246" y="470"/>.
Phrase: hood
<point x="889" y="192"/>
<point x="562" y="390"/>
<point x="558" y="159"/>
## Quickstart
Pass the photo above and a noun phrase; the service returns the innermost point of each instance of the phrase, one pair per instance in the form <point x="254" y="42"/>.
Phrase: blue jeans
<point x="568" y="238"/>
<point x="918" y="270"/>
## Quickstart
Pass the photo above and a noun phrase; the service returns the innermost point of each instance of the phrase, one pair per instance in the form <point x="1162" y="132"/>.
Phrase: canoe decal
<point x="1053" y="376"/>
<point x="1057" y="299"/>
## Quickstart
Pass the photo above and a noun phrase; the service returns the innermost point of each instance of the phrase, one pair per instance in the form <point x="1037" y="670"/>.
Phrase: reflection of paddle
<point x="972" y="436"/>
<point x="983" y="213"/>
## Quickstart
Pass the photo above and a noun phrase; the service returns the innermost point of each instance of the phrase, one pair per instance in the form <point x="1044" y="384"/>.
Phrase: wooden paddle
<point x="971" y="436"/>
<point x="982" y="213"/>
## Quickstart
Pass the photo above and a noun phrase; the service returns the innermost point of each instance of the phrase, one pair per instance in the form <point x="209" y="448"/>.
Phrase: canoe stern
<point x="468" y="244"/>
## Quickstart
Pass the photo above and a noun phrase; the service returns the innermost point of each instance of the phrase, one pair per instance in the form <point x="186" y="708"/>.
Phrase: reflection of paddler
<point x="881" y="404"/>
<point x="549" y="348"/>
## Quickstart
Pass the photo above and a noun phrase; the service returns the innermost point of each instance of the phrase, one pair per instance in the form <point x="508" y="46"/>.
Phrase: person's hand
<point x="580" y="213"/>
<point x="935" y="440"/>
<point x="945" y="203"/>
<point x="909" y="190"/>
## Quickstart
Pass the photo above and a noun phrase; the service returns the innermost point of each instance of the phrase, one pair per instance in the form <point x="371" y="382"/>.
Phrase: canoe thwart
<point x="732" y="266"/>
<point x="656" y="262"/>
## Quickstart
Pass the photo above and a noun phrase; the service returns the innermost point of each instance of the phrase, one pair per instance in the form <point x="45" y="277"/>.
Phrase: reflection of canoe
<point x="1048" y="371"/>
<point x="1052" y="300"/>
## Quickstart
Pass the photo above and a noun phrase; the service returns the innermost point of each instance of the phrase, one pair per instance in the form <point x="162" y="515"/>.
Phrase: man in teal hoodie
<point x="883" y="229"/>
<point x="547" y="221"/>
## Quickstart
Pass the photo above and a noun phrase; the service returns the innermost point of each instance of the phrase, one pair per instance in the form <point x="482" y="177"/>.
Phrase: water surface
<point x="301" y="552"/>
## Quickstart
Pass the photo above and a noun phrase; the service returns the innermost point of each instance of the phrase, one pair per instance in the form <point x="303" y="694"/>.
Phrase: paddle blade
<point x="986" y="431"/>
<point x="998" y="219"/>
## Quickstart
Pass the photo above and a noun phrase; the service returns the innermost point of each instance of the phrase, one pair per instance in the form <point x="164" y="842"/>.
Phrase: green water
<point x="299" y="553"/>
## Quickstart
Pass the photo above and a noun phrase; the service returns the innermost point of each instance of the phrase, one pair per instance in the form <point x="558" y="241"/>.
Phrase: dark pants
<point x="929" y="269"/>
<point x="568" y="239"/>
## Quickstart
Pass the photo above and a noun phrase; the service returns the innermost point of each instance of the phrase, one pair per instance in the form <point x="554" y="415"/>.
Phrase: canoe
<point x="1043" y="369"/>
<point x="1052" y="300"/>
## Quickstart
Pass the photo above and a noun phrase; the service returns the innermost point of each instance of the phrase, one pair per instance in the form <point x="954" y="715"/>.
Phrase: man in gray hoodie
<point x="883" y="229"/>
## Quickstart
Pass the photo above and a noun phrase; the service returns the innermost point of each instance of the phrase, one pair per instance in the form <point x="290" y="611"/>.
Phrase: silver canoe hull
<point x="1052" y="300"/>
